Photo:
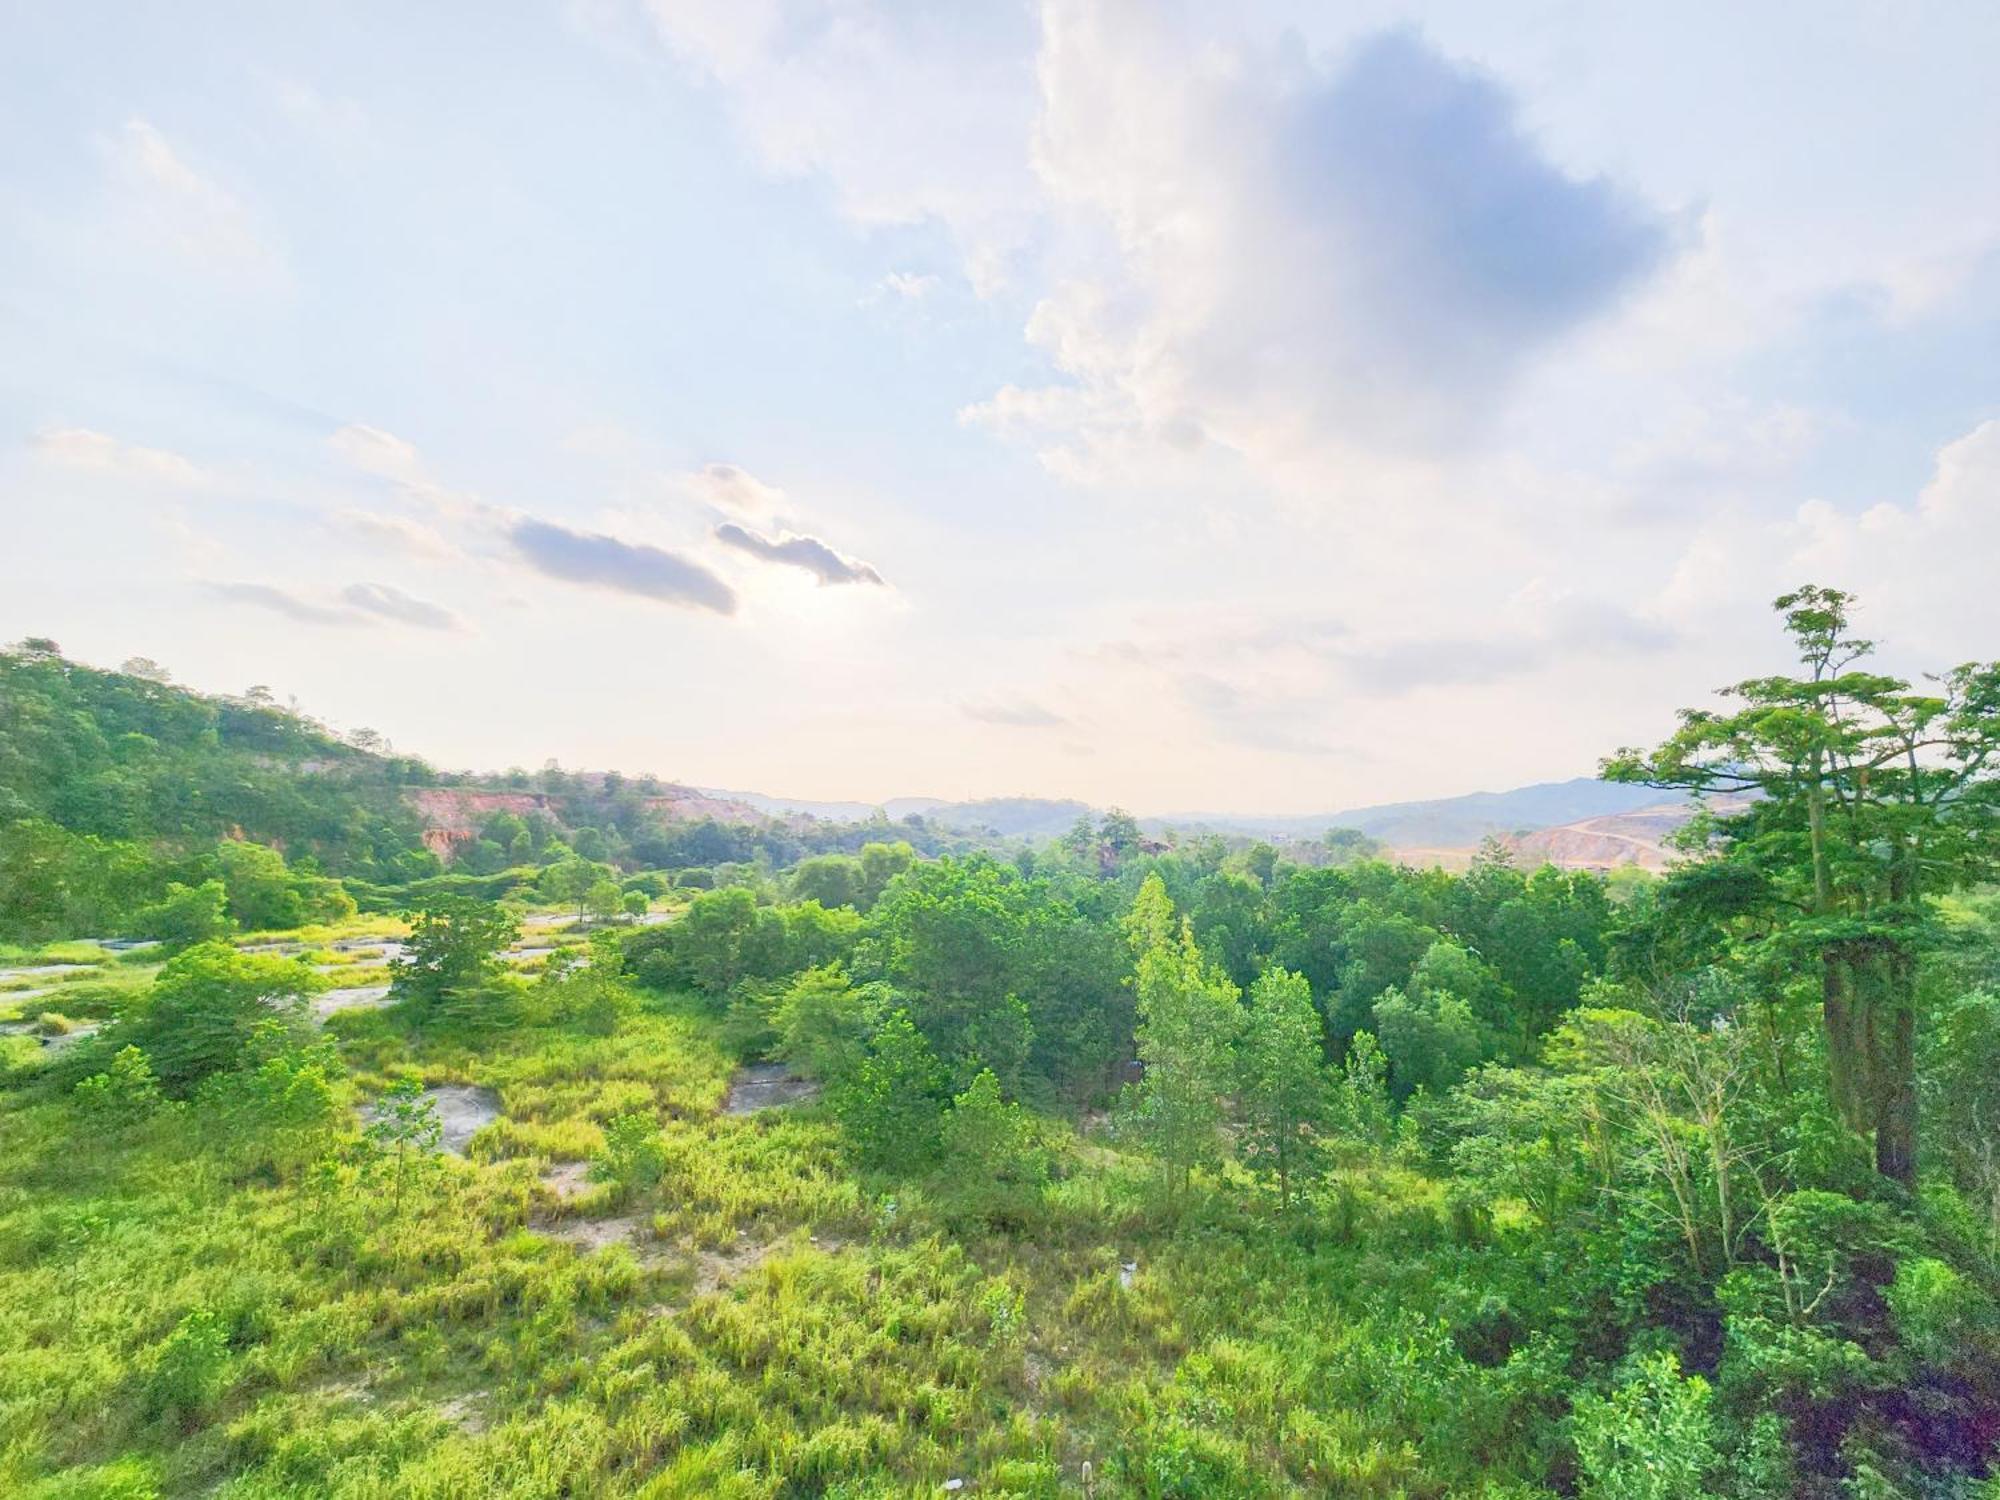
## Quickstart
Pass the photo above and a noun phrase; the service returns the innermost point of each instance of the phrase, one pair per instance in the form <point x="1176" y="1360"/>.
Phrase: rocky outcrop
<point x="453" y="816"/>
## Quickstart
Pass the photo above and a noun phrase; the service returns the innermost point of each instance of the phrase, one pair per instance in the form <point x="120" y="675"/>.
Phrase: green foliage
<point x="450" y="959"/>
<point x="634" y="1158"/>
<point x="191" y="1367"/>
<point x="1617" y="1155"/>
<point x="880" y="864"/>
<point x="1869" y="797"/>
<point x="823" y="1023"/>
<point x="890" y="1107"/>
<point x="283" y="1112"/>
<point x="1285" y="1091"/>
<point x="265" y="895"/>
<point x="123" y="1094"/>
<point x="1188" y="1019"/>
<point x="1653" y="1438"/>
<point x="1430" y="1038"/>
<point x="726" y="938"/>
<point x="989" y="1151"/>
<point x="830" y="879"/>
<point x="212" y="1010"/>
<point x="603" y="900"/>
<point x="185" y="915"/>
<point x="1359" y="1107"/>
<point x="403" y="1130"/>
<point x="584" y="990"/>
<point x="102" y="771"/>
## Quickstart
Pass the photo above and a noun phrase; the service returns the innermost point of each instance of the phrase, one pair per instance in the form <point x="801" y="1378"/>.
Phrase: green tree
<point x="1260" y="861"/>
<point x="989" y="1146"/>
<point x="403" y="1132"/>
<point x="185" y="915"/>
<point x="1188" y="1017"/>
<point x="830" y="879"/>
<point x="950" y="937"/>
<point x="603" y="899"/>
<point x="1118" y="835"/>
<point x="1866" y="800"/>
<point x="282" y="1112"/>
<point x="890" y="1107"/>
<point x="1431" y="1033"/>
<point x="713" y="946"/>
<point x="212" y="1009"/>
<point x="1284" y="1084"/>
<point x="823" y="1023"/>
<point x="880" y="864"/>
<point x="1360" y="1108"/>
<point x="452" y="954"/>
<point x="1429" y="1036"/>
<point x="572" y="882"/>
<point x="265" y="895"/>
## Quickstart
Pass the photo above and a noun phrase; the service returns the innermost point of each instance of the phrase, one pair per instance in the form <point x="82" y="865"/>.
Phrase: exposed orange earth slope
<point x="1629" y="838"/>
<point x="454" y="815"/>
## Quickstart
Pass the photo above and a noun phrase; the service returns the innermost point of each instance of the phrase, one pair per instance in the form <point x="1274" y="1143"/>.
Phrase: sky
<point x="1261" y="407"/>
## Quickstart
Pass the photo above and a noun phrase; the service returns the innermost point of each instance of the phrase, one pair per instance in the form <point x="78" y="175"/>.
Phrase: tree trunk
<point x="1846" y="1046"/>
<point x="1894" y="1027"/>
<point x="1870" y="1014"/>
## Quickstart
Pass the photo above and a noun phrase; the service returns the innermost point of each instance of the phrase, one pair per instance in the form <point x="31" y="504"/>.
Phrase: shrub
<point x="1651" y="1439"/>
<point x="122" y="1094"/>
<point x="191" y="1368"/>
<point x="634" y="1158"/>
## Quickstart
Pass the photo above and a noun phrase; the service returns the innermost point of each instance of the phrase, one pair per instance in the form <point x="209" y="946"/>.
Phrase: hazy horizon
<point x="1262" y="409"/>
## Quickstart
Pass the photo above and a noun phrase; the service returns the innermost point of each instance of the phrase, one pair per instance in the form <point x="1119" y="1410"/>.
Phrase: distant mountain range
<point x="1451" y="822"/>
<point x="1441" y="823"/>
<point x="1009" y="817"/>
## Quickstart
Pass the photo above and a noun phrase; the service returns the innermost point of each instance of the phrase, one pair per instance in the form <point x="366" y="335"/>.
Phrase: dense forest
<point x="634" y="1156"/>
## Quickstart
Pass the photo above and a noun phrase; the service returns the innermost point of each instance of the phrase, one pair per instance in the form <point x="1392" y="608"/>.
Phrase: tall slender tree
<point x="1856" y="799"/>
<point x="1286" y="1090"/>
<point x="1188" y="1017"/>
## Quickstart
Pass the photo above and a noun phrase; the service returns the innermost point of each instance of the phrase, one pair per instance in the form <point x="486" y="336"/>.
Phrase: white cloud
<point x="736" y="492"/>
<point x="909" y="113"/>
<point x="95" y="452"/>
<point x="909" y="285"/>
<point x="1285" y="258"/>
<point x="1923" y="568"/>
<point x="374" y="451"/>
<point x="165" y="202"/>
<point x="400" y="534"/>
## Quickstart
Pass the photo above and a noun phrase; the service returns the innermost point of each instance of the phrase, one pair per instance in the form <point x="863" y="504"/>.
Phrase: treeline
<point x="1717" y="1164"/>
<point x="121" y="791"/>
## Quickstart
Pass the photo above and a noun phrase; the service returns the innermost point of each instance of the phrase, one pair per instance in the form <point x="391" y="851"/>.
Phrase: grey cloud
<point x="1402" y="666"/>
<point x="1285" y="724"/>
<point x="1019" y="714"/>
<point x="1572" y="627"/>
<point x="1372" y="250"/>
<point x="281" y="601"/>
<point x="628" y="567"/>
<point x="393" y="604"/>
<point x="807" y="552"/>
<point x="1474" y="248"/>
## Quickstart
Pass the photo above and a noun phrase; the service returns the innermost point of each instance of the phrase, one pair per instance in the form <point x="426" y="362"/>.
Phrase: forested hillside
<point x="1108" y="1167"/>
<point x="121" y="792"/>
